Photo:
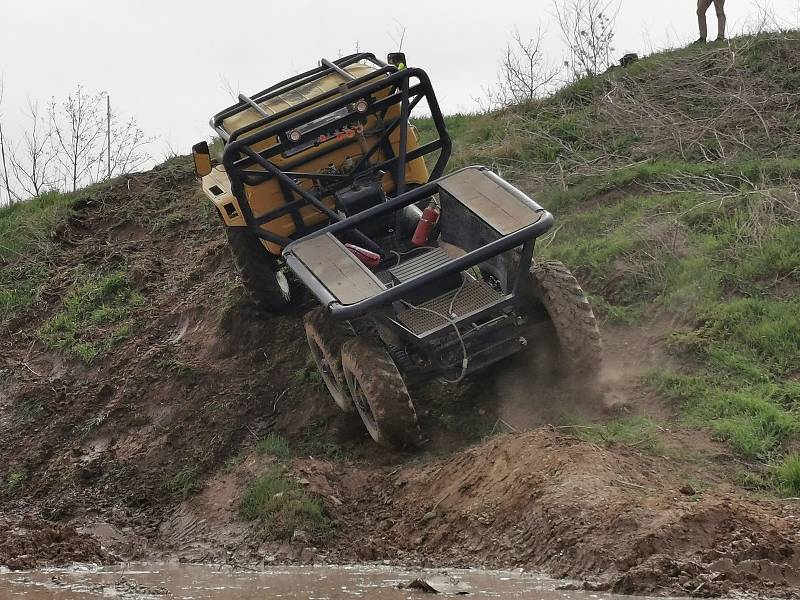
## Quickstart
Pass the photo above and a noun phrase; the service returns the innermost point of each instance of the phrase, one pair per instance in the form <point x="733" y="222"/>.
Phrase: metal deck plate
<point x="338" y="269"/>
<point x="494" y="204"/>
<point x="473" y="296"/>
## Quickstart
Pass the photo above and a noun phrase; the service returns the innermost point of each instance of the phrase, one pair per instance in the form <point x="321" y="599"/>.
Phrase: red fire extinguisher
<point x="369" y="258"/>
<point x="428" y="220"/>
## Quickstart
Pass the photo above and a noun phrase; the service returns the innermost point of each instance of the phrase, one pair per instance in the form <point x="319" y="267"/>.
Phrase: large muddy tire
<point x="325" y="339"/>
<point x="555" y="295"/>
<point x="263" y="279"/>
<point x="379" y="394"/>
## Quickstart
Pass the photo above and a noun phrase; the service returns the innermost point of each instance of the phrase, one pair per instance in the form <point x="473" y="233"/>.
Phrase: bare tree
<point x="32" y="161"/>
<point x="6" y="184"/>
<point x="128" y="150"/>
<point x="78" y="129"/>
<point x="524" y="73"/>
<point x="79" y="141"/>
<point x="587" y="27"/>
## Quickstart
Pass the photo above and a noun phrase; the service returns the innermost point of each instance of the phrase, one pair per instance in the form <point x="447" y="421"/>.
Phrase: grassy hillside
<point x="675" y="189"/>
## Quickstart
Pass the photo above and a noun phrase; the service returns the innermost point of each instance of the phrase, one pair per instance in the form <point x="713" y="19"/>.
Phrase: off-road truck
<point x="324" y="185"/>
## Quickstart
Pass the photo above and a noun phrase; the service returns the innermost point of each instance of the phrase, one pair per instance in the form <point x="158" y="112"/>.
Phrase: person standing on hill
<point x="702" y="9"/>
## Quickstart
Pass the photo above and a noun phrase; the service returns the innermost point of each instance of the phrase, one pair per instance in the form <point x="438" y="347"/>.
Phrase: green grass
<point x="581" y="188"/>
<point x="787" y="475"/>
<point x="308" y="375"/>
<point x="778" y="258"/>
<point x="93" y="424"/>
<point x="31" y="409"/>
<point x="235" y="296"/>
<point x="26" y="231"/>
<point x="185" y="482"/>
<point x="763" y="332"/>
<point x="15" y="482"/>
<point x="177" y="366"/>
<point x="638" y="432"/>
<point x="468" y="424"/>
<point x="96" y="315"/>
<point x="233" y="461"/>
<point x="20" y="287"/>
<point x="30" y="224"/>
<point x="747" y="394"/>
<point x="169" y="220"/>
<point x="757" y="420"/>
<point x="281" y="507"/>
<point x="317" y="441"/>
<point x="274" y="445"/>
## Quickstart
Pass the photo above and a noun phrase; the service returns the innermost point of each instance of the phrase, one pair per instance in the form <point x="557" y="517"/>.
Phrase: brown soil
<point x="132" y="455"/>
<point x="31" y="542"/>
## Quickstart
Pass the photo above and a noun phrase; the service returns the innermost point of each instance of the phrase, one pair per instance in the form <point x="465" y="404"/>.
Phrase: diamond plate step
<point x="419" y="265"/>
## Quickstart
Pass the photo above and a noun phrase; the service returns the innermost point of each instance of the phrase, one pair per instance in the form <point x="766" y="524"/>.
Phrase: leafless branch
<point x="6" y="184"/>
<point x="399" y="35"/>
<point x="524" y="72"/>
<point x="587" y="28"/>
<point x="78" y="132"/>
<point x="228" y="88"/>
<point x="32" y="160"/>
<point x="766" y="20"/>
<point x="128" y="146"/>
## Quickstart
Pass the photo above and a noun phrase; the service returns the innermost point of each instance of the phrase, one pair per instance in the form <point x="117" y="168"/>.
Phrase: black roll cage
<point x="239" y="156"/>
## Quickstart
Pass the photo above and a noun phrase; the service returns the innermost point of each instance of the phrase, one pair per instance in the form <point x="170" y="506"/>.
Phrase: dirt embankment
<point x="131" y="455"/>
<point x="127" y="436"/>
<point x="615" y="520"/>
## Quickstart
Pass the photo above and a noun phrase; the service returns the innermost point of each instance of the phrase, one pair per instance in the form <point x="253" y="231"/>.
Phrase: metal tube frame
<point x="239" y="155"/>
<point x="289" y="84"/>
<point x="524" y="237"/>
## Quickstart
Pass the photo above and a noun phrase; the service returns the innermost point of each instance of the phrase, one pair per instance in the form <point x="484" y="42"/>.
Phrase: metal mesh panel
<point x="473" y="296"/>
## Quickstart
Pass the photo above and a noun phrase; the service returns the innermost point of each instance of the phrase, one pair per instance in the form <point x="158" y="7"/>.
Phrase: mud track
<point x="132" y="455"/>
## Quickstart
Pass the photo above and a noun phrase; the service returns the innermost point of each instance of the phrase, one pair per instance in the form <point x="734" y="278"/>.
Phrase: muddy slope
<point x="136" y="429"/>
<point x="130" y="455"/>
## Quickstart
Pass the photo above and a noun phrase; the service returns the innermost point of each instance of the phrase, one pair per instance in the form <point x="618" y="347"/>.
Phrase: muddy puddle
<point x="199" y="582"/>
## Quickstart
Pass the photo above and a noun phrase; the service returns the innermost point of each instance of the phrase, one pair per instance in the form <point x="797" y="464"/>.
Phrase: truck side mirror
<point x="398" y="59"/>
<point x="202" y="159"/>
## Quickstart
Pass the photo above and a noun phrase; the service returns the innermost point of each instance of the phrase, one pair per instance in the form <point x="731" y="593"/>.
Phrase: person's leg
<point x="719" y="6"/>
<point x="702" y="8"/>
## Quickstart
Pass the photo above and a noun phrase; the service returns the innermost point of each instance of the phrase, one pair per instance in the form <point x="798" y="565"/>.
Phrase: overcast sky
<point x="165" y="61"/>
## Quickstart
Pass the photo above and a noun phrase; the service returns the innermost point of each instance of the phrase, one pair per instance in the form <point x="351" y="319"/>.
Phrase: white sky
<point x="165" y="61"/>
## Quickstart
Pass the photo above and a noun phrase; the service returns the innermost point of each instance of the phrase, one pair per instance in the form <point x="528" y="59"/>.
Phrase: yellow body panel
<point x="268" y="196"/>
